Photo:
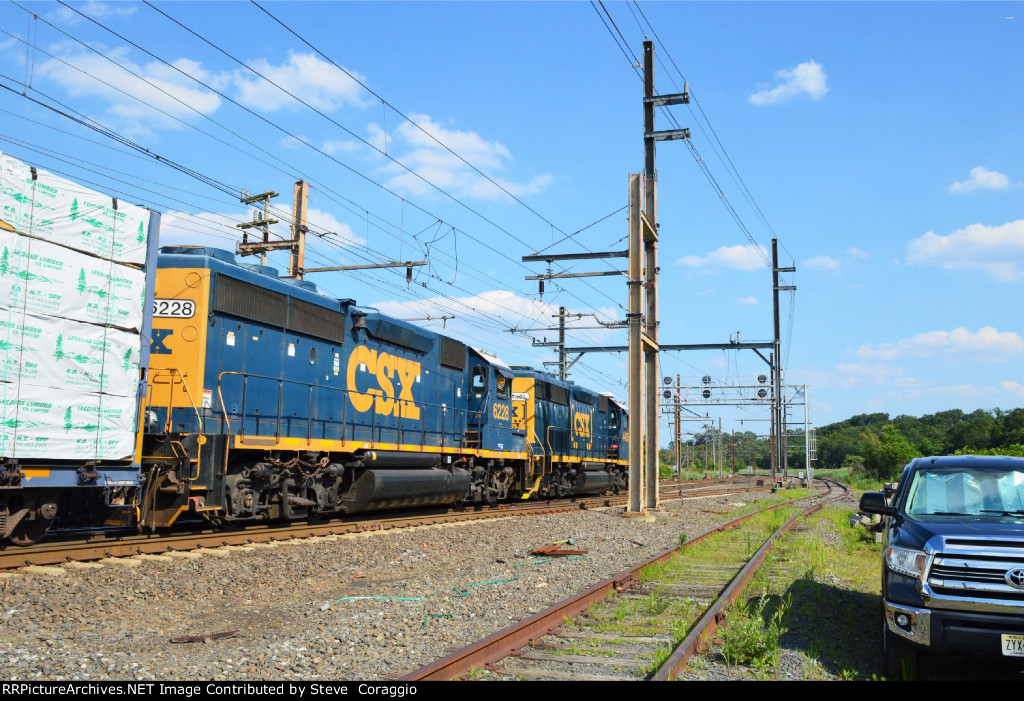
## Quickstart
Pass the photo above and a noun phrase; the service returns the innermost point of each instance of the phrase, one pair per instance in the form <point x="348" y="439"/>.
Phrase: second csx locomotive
<point x="268" y="400"/>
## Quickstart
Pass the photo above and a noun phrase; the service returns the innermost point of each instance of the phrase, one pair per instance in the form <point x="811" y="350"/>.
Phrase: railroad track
<point x="644" y="623"/>
<point x="117" y="544"/>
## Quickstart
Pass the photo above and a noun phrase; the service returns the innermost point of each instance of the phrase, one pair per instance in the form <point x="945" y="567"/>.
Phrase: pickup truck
<point x="953" y="560"/>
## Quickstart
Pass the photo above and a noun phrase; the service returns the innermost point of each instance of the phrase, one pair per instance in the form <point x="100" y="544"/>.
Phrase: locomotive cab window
<point x="478" y="380"/>
<point x="502" y="385"/>
<point x="613" y="421"/>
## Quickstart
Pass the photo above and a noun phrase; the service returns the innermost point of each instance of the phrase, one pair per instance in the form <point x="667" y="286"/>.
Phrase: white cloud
<point x="738" y="257"/>
<point x="422" y="155"/>
<point x="512" y="309"/>
<point x="981" y="179"/>
<point x="294" y="142"/>
<point x="808" y="77"/>
<point x="321" y="221"/>
<point x="856" y="374"/>
<point x="159" y="85"/>
<point x="987" y="344"/>
<point x="995" y="250"/>
<point x="825" y="262"/>
<point x="317" y="82"/>
<point x="336" y="146"/>
<point x="96" y="10"/>
<point x="746" y="300"/>
<point x="200" y="229"/>
<point x="1012" y="387"/>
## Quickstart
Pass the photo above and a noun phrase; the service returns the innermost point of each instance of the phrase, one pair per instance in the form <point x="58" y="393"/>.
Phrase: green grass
<point x="752" y="632"/>
<point x="834" y="569"/>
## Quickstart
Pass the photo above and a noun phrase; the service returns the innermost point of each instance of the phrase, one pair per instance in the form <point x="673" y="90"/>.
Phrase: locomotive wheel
<point x="30" y="529"/>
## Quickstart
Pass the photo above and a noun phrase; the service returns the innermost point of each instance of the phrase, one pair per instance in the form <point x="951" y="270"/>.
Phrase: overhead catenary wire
<point x="269" y="122"/>
<point x="183" y="169"/>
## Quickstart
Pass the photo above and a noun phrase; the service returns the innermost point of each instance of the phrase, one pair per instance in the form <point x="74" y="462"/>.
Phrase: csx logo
<point x="500" y="412"/>
<point x="581" y="424"/>
<point x="385" y="368"/>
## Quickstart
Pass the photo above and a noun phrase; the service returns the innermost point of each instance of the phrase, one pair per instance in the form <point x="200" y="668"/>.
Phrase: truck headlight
<point x="906" y="561"/>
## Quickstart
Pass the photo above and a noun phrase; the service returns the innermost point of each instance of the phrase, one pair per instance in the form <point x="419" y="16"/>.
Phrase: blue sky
<point x="882" y="143"/>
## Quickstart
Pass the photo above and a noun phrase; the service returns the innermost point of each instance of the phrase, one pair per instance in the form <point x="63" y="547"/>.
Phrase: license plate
<point x="1013" y="645"/>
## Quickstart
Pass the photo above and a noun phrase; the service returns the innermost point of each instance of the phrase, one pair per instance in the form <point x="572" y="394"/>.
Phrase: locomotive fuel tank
<point x="594" y="482"/>
<point x="375" y="490"/>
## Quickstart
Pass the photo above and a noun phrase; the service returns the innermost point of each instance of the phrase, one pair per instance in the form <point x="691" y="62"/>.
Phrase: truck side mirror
<point x="875" y="503"/>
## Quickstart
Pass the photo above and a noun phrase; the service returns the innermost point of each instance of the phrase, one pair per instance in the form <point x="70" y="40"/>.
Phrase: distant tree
<point x="886" y="452"/>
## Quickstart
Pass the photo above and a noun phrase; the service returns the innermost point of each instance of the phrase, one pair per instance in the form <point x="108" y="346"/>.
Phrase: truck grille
<point x="977" y="568"/>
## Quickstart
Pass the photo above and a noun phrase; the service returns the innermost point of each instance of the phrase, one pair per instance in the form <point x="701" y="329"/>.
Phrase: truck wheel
<point x="900" y="656"/>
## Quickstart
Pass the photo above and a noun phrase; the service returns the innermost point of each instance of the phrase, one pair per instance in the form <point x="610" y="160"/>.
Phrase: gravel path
<point x="287" y="602"/>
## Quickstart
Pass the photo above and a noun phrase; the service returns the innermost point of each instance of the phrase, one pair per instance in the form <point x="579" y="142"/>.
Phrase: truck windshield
<point x="966" y="491"/>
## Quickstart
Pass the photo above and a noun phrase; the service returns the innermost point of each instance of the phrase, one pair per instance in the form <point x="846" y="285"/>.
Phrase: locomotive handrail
<point x="168" y="423"/>
<point x="401" y="430"/>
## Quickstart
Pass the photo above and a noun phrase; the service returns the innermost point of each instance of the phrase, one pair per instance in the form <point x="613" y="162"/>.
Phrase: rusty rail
<point x="505" y="642"/>
<point x="708" y="624"/>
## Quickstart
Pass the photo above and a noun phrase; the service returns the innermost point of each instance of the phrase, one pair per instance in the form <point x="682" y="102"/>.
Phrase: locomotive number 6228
<point x="176" y="308"/>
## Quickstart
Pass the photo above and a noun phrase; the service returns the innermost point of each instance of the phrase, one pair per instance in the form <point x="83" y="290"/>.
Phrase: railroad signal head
<point x="706" y="394"/>
<point x="706" y="379"/>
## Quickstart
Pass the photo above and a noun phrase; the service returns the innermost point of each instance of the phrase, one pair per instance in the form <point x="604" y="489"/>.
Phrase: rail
<point x="508" y="641"/>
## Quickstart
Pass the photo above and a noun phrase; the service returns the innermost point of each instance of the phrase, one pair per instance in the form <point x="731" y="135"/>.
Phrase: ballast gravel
<point x="367" y="606"/>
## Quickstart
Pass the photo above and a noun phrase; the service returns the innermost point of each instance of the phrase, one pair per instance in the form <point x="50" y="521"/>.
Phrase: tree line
<point x="883" y="445"/>
<point x="877" y="443"/>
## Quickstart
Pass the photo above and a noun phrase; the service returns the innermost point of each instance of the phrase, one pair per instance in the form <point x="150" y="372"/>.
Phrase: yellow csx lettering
<point x="500" y="412"/>
<point x="581" y="424"/>
<point x="385" y="367"/>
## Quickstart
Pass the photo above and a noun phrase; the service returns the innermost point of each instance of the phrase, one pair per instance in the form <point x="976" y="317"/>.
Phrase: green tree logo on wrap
<point x="13" y="347"/>
<point x="5" y="267"/>
<point x="18" y="423"/>
<point x="81" y="281"/>
<point x="58" y="352"/>
<point x="126" y="361"/>
<point x="69" y="424"/>
<point x="74" y="209"/>
<point x="17" y="196"/>
<point x="141" y="237"/>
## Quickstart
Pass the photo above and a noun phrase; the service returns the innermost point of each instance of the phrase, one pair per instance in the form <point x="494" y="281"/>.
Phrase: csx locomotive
<point x="267" y="400"/>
